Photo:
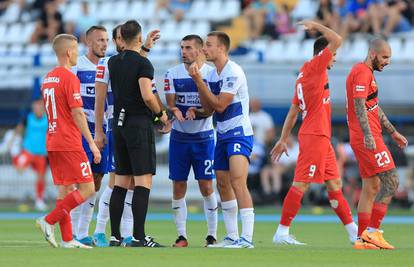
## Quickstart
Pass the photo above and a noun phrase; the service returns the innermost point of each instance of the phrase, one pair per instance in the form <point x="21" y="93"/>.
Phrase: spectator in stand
<point x="177" y="8"/>
<point x="272" y="174"/>
<point x="397" y="15"/>
<point x="327" y="14"/>
<point x="49" y="24"/>
<point x="283" y="21"/>
<point x="83" y="22"/>
<point x="262" y="123"/>
<point x="357" y="18"/>
<point x="3" y="5"/>
<point x="261" y="18"/>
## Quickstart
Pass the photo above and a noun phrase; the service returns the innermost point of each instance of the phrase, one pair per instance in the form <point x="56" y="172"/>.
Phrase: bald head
<point x="379" y="54"/>
<point x="66" y="48"/>
<point x="377" y="44"/>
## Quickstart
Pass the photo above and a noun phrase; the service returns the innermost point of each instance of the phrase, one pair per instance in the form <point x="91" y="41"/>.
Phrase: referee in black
<point x="133" y="133"/>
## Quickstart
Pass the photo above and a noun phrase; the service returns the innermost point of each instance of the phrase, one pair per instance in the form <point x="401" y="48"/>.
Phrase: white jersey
<point x="234" y="121"/>
<point x="102" y="75"/>
<point x="179" y="82"/>
<point x="85" y="70"/>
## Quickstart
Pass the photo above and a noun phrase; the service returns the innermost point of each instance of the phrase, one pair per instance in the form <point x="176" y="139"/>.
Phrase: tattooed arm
<point x="385" y="123"/>
<point x="361" y="113"/>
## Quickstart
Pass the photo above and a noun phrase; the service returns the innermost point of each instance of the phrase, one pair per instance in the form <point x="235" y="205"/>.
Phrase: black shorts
<point x="134" y="145"/>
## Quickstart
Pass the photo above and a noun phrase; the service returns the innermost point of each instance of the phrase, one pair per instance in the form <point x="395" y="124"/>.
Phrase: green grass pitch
<point x="21" y="244"/>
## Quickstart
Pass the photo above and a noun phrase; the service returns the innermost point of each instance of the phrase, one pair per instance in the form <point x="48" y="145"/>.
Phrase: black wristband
<point x="159" y="115"/>
<point x="145" y="49"/>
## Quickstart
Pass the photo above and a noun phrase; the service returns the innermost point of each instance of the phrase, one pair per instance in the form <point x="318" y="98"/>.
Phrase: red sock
<point x="65" y="225"/>
<point x="340" y="206"/>
<point x="40" y="188"/>
<point x="363" y="221"/>
<point x="378" y="213"/>
<point x="71" y="201"/>
<point x="291" y="205"/>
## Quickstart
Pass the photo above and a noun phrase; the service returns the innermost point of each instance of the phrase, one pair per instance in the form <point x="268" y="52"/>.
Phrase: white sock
<point x="371" y="230"/>
<point x="352" y="229"/>
<point x="85" y="218"/>
<point x="103" y="212"/>
<point x="74" y="217"/>
<point x="127" y="220"/>
<point x="229" y="209"/>
<point x="179" y="207"/>
<point x="247" y="219"/>
<point x="282" y="230"/>
<point x="210" y="210"/>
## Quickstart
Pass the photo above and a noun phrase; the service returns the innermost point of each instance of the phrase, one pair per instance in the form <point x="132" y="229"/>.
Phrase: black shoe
<point x="210" y="240"/>
<point x="147" y="242"/>
<point x="113" y="242"/>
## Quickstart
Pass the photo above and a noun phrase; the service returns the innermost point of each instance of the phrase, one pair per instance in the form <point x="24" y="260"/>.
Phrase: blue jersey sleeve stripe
<point x="233" y="110"/>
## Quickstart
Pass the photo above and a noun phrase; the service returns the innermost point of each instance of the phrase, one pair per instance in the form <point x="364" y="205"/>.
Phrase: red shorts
<point x="70" y="167"/>
<point x="26" y="159"/>
<point x="372" y="162"/>
<point x="316" y="161"/>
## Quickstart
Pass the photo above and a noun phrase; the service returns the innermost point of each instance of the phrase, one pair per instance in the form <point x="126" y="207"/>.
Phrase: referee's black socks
<point x="139" y="210"/>
<point x="116" y="208"/>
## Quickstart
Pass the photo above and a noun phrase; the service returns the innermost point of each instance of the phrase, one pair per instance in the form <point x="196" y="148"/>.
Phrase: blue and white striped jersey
<point x="234" y="121"/>
<point x="178" y="82"/>
<point x="85" y="70"/>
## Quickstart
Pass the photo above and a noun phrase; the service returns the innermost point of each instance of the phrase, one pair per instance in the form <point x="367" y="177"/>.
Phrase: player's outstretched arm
<point x="334" y="39"/>
<point x="80" y="120"/>
<point x="281" y="145"/>
<point x="387" y="125"/>
<point x="101" y="90"/>
<point x="209" y="101"/>
<point x="171" y="106"/>
<point x="361" y="114"/>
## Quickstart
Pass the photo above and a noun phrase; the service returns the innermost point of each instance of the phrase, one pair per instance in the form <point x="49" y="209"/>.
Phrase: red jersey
<point x="312" y="95"/>
<point x="361" y="84"/>
<point x="61" y="93"/>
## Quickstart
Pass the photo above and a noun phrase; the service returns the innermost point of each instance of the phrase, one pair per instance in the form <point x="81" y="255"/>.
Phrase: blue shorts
<point x="110" y="165"/>
<point x="101" y="166"/>
<point x="183" y="156"/>
<point x="229" y="147"/>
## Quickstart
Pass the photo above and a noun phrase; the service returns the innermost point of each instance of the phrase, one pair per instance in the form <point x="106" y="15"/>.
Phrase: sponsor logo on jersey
<point x="100" y="70"/>
<point x="360" y="88"/>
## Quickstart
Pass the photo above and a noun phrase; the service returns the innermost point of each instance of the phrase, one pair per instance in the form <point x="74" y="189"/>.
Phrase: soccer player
<point x="34" y="154"/>
<point x="316" y="162"/>
<point x="229" y="98"/>
<point x="85" y="70"/>
<point x="104" y="98"/>
<point x="66" y="125"/>
<point x="366" y="120"/>
<point x="192" y="138"/>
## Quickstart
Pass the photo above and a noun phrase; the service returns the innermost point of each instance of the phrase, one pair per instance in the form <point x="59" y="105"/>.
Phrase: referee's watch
<point x="159" y="115"/>
<point x="145" y="49"/>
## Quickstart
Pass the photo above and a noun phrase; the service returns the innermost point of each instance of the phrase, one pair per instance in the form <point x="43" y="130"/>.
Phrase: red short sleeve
<point x="320" y="62"/>
<point x="361" y="84"/>
<point x="73" y="96"/>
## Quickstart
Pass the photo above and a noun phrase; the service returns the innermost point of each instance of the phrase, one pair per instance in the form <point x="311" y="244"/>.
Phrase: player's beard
<point x="98" y="55"/>
<point x="375" y="64"/>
